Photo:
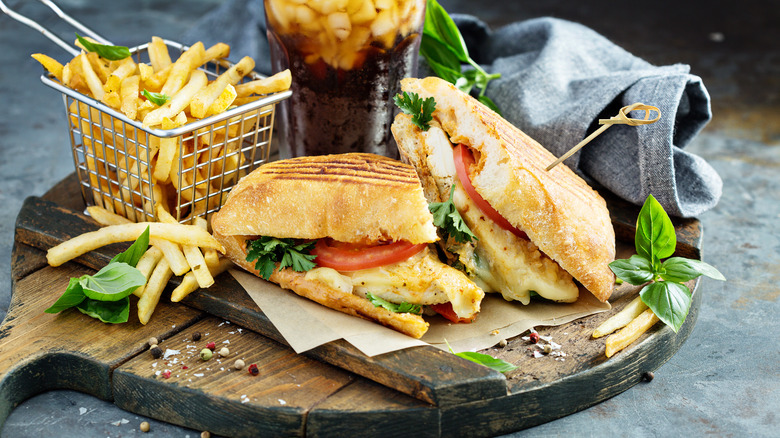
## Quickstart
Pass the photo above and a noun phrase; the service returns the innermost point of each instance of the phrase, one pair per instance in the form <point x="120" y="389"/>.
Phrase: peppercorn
<point x="547" y="348"/>
<point x="145" y="426"/>
<point x="648" y="376"/>
<point x="253" y="370"/>
<point x="534" y="337"/>
<point x="152" y="341"/>
<point x="205" y="354"/>
<point x="205" y="434"/>
<point x="196" y="336"/>
<point x="502" y="343"/>
<point x="224" y="352"/>
<point x="239" y="364"/>
<point x="156" y="352"/>
<point x="211" y="346"/>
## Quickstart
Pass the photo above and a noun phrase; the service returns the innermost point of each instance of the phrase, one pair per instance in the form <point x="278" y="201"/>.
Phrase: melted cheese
<point x="508" y="264"/>
<point x="421" y="279"/>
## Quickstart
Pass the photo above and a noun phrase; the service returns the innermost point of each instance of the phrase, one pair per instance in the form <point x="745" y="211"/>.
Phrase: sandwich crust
<point x="559" y="211"/>
<point x="407" y="323"/>
<point x="353" y="198"/>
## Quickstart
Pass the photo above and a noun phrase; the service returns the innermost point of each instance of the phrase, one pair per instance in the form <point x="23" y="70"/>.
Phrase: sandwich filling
<point x="502" y="259"/>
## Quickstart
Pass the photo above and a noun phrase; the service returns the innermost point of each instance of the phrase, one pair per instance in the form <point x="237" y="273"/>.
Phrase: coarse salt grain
<point x="282" y="402"/>
<point x="538" y="354"/>
<point x="169" y="352"/>
<point x="226" y="341"/>
<point x="82" y="411"/>
<point x="198" y="374"/>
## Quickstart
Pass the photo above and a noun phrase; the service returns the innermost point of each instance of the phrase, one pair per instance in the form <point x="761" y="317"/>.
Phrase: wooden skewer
<point x="621" y="118"/>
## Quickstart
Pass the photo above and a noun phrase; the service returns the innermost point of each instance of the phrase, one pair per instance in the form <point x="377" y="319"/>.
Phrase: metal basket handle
<point x="47" y="33"/>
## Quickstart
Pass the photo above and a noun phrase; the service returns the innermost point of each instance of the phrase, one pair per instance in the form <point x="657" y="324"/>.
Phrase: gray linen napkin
<point x="559" y="78"/>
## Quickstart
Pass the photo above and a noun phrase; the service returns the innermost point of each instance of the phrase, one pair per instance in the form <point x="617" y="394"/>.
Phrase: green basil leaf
<point x="72" y="297"/>
<point x="635" y="270"/>
<point x="112" y="53"/>
<point x="113" y="312"/>
<point x="487" y="360"/>
<point x="393" y="307"/>
<point x="680" y="269"/>
<point x="655" y="238"/>
<point x="439" y="25"/>
<point x="669" y="301"/>
<point x="158" y="99"/>
<point x="132" y="254"/>
<point x="114" y="282"/>
<point x="434" y="50"/>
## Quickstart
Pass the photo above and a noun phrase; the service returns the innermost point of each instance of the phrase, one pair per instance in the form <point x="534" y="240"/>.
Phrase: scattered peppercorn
<point x="206" y="354"/>
<point x="211" y="346"/>
<point x="648" y="376"/>
<point x="534" y="337"/>
<point x="547" y="348"/>
<point x="253" y="370"/>
<point x="156" y="352"/>
<point x="502" y="343"/>
<point x="185" y="367"/>
<point x="196" y="336"/>
<point x="145" y="426"/>
<point x="205" y="434"/>
<point x="224" y="352"/>
<point x="152" y="341"/>
<point x="239" y="365"/>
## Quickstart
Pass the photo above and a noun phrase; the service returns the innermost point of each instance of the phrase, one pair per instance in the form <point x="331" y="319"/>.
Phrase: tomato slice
<point x="464" y="159"/>
<point x="445" y="310"/>
<point x="354" y="257"/>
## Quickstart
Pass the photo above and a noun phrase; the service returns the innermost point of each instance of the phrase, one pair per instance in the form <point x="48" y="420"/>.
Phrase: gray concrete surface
<point x="723" y="382"/>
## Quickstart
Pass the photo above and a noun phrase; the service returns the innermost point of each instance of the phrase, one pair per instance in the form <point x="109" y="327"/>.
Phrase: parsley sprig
<point x="112" y="53"/>
<point x="268" y="251"/>
<point x="445" y="51"/>
<point x="446" y="217"/>
<point x="105" y="295"/>
<point x="158" y="99"/>
<point x="393" y="307"/>
<point x="420" y="109"/>
<point x="664" y="292"/>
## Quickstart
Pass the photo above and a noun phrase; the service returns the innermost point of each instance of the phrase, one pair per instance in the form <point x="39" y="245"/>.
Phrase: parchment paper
<point x="306" y="324"/>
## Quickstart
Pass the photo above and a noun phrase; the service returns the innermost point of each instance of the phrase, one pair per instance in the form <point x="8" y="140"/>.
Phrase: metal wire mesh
<point x="115" y="157"/>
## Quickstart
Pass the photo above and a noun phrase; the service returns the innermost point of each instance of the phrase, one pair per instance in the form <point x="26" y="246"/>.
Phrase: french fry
<point x="155" y="80"/>
<point x="125" y="68"/>
<point x="93" y="82"/>
<point x="154" y="288"/>
<point x="192" y="253"/>
<point x="205" y="97"/>
<point x="146" y="72"/>
<point x="630" y="332"/>
<point x="189" y="284"/>
<point x="178" y="233"/>
<point x="279" y="82"/>
<point x="217" y="51"/>
<point x="211" y="256"/>
<point x="179" y="101"/>
<point x="100" y="69"/>
<point x="180" y="72"/>
<point x="158" y="54"/>
<point x="50" y="64"/>
<point x="620" y="319"/>
<point x="146" y="265"/>
<point x="129" y="96"/>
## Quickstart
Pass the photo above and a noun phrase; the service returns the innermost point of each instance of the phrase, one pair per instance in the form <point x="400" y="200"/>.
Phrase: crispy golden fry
<point x="129" y="96"/>
<point x="279" y="82"/>
<point x="50" y="64"/>
<point x="189" y="284"/>
<point x="211" y="256"/>
<point x="181" y="234"/>
<point x="620" y="319"/>
<point x="125" y="68"/>
<point x="93" y="81"/>
<point x="217" y="51"/>
<point x="158" y="54"/>
<point x="205" y="97"/>
<point x="98" y="66"/>
<point x="178" y="102"/>
<point x="154" y="288"/>
<point x="187" y="62"/>
<point x="631" y="332"/>
<point x="168" y="153"/>
<point x="155" y="81"/>
<point x="146" y="265"/>
<point x="192" y="253"/>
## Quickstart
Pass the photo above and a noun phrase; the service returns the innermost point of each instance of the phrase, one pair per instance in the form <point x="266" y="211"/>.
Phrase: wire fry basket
<point x="117" y="159"/>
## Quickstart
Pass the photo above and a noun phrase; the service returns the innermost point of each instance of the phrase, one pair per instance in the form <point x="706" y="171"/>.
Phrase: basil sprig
<point x="105" y="295"/>
<point x="487" y="360"/>
<point x="664" y="291"/>
<point x="444" y="49"/>
<point x="112" y="53"/>
<point x="393" y="307"/>
<point x="158" y="99"/>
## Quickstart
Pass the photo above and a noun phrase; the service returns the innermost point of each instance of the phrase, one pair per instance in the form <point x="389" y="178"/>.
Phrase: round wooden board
<point x="328" y="392"/>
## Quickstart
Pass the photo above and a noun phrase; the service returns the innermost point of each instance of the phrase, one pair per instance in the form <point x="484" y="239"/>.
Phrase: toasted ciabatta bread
<point x="353" y="198"/>
<point x="560" y="213"/>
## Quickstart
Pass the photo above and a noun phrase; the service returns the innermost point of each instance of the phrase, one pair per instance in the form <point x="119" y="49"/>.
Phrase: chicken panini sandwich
<point x="535" y="232"/>
<point x="348" y="231"/>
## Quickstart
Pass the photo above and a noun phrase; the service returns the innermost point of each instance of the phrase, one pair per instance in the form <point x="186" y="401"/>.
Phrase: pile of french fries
<point x="129" y="167"/>
<point x="171" y="179"/>
<point x="635" y="319"/>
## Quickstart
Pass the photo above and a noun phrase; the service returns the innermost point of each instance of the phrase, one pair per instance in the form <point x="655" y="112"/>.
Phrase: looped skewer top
<point x="620" y="119"/>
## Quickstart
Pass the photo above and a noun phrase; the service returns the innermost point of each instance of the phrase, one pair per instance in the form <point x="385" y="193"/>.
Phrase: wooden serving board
<point x="331" y="390"/>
